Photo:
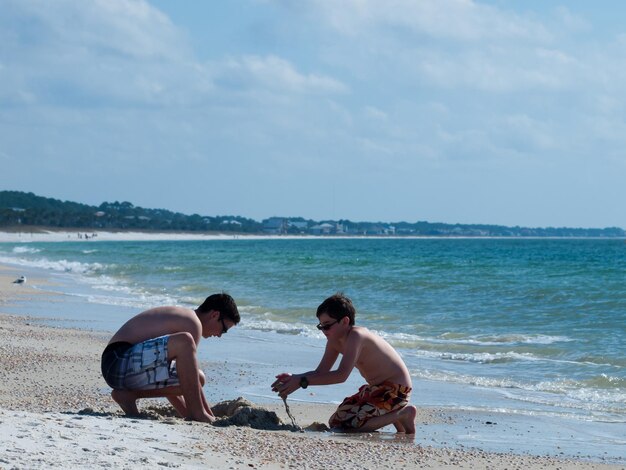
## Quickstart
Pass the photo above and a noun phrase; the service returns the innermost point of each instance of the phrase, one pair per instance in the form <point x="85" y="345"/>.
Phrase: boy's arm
<point x="287" y="384"/>
<point x="185" y="322"/>
<point x="327" y="361"/>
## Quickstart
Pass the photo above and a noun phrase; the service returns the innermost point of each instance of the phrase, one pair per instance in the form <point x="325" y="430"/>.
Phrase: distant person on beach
<point x="384" y="399"/>
<point x="154" y="355"/>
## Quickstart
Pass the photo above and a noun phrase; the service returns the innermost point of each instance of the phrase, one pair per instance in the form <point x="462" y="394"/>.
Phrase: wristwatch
<point x="304" y="382"/>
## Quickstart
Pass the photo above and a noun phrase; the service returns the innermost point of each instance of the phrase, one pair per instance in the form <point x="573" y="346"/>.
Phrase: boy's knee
<point x="181" y="342"/>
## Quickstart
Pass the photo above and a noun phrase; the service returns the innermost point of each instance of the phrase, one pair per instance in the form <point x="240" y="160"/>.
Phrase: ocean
<point x="532" y="327"/>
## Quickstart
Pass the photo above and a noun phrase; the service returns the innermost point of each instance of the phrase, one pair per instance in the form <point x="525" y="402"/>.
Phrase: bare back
<point x="377" y="360"/>
<point x="158" y="322"/>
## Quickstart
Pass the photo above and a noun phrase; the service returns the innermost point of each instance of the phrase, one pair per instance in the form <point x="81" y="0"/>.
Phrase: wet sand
<point x="55" y="410"/>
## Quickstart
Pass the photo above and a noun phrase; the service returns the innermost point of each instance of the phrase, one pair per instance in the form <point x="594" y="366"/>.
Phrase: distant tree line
<point x="18" y="209"/>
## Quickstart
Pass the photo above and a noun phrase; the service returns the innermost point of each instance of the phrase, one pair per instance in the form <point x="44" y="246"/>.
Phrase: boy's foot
<point x="407" y="419"/>
<point x="126" y="400"/>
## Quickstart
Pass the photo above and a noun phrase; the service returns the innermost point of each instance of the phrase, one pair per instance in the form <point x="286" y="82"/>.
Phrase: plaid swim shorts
<point x="370" y="401"/>
<point x="142" y="366"/>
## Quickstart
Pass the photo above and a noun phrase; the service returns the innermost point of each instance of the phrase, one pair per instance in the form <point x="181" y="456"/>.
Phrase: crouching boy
<point x="154" y="355"/>
<point x="384" y="399"/>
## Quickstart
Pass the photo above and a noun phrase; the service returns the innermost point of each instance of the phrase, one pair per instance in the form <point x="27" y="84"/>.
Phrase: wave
<point x="425" y="347"/>
<point x="252" y="322"/>
<point x="505" y="339"/>
<point x="478" y="357"/>
<point x="62" y="265"/>
<point x="25" y="249"/>
<point x="599" y="394"/>
<point x="482" y="357"/>
<point x="117" y="293"/>
<point x="134" y="300"/>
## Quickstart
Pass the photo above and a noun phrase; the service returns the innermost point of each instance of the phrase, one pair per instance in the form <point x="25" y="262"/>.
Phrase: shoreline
<point x="47" y="235"/>
<point x="57" y="410"/>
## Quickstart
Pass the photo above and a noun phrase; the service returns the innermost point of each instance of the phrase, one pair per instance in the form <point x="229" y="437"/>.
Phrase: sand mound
<point x="316" y="426"/>
<point x="241" y="412"/>
<point x="155" y="412"/>
<point x="228" y="408"/>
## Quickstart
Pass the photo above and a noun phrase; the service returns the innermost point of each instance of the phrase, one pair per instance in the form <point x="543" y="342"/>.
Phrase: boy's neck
<point x="341" y="340"/>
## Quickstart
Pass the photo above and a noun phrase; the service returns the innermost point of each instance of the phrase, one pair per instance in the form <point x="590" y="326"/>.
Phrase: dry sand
<point x="55" y="411"/>
<point x="42" y="235"/>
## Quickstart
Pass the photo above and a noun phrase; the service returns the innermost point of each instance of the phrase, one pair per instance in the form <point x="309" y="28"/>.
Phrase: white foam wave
<point x="63" y="265"/>
<point x="25" y="249"/>
<point x="87" y="274"/>
<point x="506" y="339"/>
<point x="479" y="357"/>
<point x="570" y="394"/>
<point x="407" y="339"/>
<point x="253" y="322"/>
<point x="137" y="301"/>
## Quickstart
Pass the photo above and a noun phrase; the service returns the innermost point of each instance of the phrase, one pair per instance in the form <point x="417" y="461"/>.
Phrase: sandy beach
<point x="55" y="411"/>
<point x="41" y="235"/>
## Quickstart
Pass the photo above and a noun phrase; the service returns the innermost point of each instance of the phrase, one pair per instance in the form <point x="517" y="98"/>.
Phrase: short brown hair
<point x="337" y="306"/>
<point x="224" y="304"/>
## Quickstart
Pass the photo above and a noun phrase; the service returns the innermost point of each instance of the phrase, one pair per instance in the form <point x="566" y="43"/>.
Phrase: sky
<point x="456" y="111"/>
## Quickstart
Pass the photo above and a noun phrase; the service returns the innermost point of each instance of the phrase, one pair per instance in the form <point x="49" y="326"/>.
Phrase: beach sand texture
<point x="55" y="411"/>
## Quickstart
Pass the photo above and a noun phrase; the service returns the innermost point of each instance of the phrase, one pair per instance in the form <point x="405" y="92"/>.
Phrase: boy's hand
<point x="280" y="379"/>
<point x="286" y="384"/>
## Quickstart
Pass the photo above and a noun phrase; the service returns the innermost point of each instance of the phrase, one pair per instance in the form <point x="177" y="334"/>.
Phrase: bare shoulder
<point x="170" y="310"/>
<point x="159" y="321"/>
<point x="361" y="333"/>
<point x="179" y="315"/>
<point x="370" y="339"/>
<point x="358" y="336"/>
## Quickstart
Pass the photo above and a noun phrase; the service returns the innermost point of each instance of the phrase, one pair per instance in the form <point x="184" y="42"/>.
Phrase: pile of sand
<point x="238" y="412"/>
<point x="241" y="412"/>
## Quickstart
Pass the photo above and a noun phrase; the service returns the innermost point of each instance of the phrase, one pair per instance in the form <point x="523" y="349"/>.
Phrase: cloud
<point x="131" y="28"/>
<point x="86" y="53"/>
<point x="126" y="53"/>
<point x="375" y="114"/>
<point x="460" y="20"/>
<point x="572" y="21"/>
<point x="275" y="74"/>
<point x="452" y="44"/>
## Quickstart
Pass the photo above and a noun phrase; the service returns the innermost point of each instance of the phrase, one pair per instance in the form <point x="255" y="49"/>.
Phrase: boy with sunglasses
<point x="154" y="355"/>
<point x="384" y="399"/>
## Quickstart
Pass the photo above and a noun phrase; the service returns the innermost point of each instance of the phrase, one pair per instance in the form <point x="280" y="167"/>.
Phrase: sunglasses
<point x="224" y="327"/>
<point x="327" y="326"/>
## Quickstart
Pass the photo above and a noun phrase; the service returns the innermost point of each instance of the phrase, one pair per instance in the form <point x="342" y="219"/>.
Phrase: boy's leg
<point x="205" y="403"/>
<point x="182" y="347"/>
<point x="403" y="420"/>
<point x="351" y="416"/>
<point x="178" y="402"/>
<point x="187" y="397"/>
<point x="127" y="399"/>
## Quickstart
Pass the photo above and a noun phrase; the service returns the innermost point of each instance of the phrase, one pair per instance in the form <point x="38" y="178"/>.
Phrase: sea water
<point x="535" y="327"/>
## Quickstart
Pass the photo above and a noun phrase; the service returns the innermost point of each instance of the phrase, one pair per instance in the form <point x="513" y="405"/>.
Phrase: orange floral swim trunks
<point x="370" y="401"/>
